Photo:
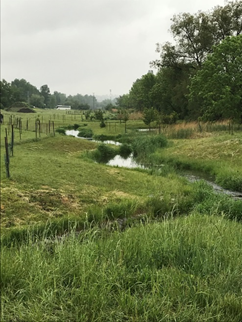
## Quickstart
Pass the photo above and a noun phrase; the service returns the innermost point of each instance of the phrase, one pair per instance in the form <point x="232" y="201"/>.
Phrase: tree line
<point x="21" y="90"/>
<point x="199" y="75"/>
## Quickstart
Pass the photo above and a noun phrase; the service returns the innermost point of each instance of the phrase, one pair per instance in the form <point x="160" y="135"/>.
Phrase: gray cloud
<point x="78" y="46"/>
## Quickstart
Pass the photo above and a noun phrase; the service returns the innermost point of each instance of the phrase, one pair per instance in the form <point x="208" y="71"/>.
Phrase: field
<point x="83" y="241"/>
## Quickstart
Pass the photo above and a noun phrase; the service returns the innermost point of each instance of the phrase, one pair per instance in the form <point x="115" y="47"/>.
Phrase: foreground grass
<point x="177" y="270"/>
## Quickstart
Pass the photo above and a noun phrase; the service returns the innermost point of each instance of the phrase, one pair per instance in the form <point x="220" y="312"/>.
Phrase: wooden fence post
<point x="12" y="139"/>
<point x="20" y="128"/>
<point x="6" y="155"/>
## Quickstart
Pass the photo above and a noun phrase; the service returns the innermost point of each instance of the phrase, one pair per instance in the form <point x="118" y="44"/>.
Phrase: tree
<point x="6" y="94"/>
<point x="23" y="90"/>
<point x="45" y="92"/>
<point x="218" y="85"/>
<point x="60" y="98"/>
<point x="139" y="94"/>
<point x="37" y="100"/>
<point x="150" y="115"/>
<point x="195" y="35"/>
<point x="123" y="101"/>
<point x="169" y="94"/>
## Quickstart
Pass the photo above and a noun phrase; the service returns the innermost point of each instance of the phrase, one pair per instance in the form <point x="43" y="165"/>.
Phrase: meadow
<point x="83" y="241"/>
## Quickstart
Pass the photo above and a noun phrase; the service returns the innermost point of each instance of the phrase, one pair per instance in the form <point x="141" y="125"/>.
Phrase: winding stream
<point x="129" y="162"/>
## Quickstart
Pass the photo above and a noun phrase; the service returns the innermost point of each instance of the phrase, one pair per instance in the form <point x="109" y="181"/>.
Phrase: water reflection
<point x="75" y="134"/>
<point x="127" y="163"/>
<point x="72" y="133"/>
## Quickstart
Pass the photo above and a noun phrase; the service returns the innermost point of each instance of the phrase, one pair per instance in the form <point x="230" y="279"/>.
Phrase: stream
<point x="129" y="162"/>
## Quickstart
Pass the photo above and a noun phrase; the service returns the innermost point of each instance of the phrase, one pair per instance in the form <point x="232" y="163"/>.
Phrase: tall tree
<point x="6" y="94"/>
<point x="195" y="35"/>
<point x="218" y="85"/>
<point x="37" y="100"/>
<point x="139" y="94"/>
<point x="45" y="92"/>
<point x="23" y="90"/>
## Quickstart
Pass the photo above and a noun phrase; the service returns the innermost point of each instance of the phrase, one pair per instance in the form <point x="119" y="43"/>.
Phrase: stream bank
<point x="131" y="163"/>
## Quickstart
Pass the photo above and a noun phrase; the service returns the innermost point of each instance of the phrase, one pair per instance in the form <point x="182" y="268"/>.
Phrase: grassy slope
<point x="219" y="155"/>
<point x="49" y="179"/>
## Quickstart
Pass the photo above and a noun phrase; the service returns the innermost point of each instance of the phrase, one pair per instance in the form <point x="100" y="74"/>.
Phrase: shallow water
<point x="129" y="162"/>
<point x="75" y="134"/>
<point x="234" y="194"/>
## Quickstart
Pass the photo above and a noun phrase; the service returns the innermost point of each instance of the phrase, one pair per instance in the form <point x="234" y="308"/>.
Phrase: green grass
<point x="219" y="156"/>
<point x="177" y="270"/>
<point x="82" y="241"/>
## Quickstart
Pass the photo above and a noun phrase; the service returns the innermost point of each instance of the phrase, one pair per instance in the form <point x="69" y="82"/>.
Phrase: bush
<point x="125" y="150"/>
<point x="85" y="133"/>
<point x="102" y="124"/>
<point x="104" y="153"/>
<point x="143" y="146"/>
<point x="76" y="126"/>
<point x="61" y="130"/>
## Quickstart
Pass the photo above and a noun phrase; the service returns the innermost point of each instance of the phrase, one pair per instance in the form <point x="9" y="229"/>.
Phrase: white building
<point x="63" y="107"/>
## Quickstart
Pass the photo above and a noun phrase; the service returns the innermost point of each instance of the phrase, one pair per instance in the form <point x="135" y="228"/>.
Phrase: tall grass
<point x="144" y="146"/>
<point x="178" y="270"/>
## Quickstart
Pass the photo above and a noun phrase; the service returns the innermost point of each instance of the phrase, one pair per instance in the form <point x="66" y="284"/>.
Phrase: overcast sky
<point x="86" y="46"/>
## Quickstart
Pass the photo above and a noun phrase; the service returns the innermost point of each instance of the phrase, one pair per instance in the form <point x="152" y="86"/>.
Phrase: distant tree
<point x="99" y="115"/>
<point x="23" y="90"/>
<point x="109" y="107"/>
<point x="150" y="115"/>
<point x="52" y="101"/>
<point x="37" y="100"/>
<point x="218" y="85"/>
<point x="60" y="98"/>
<point x="45" y="92"/>
<point x="123" y="101"/>
<point x="6" y="94"/>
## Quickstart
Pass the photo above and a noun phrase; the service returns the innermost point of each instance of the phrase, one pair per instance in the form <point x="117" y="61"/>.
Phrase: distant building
<point x="63" y="107"/>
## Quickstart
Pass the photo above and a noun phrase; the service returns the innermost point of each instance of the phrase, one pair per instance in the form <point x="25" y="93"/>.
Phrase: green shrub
<point x="85" y="133"/>
<point x="125" y="150"/>
<point x="102" y="124"/>
<point x="104" y="153"/>
<point x="104" y="137"/>
<point x="61" y="130"/>
<point x="76" y="126"/>
<point x="143" y="146"/>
